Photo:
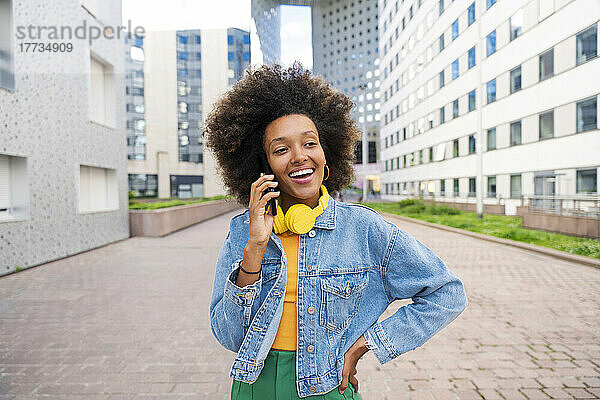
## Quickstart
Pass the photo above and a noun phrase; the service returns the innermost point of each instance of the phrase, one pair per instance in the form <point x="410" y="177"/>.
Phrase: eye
<point x="279" y="150"/>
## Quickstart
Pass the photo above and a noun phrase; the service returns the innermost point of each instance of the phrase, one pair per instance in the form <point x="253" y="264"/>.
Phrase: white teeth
<point x="301" y="172"/>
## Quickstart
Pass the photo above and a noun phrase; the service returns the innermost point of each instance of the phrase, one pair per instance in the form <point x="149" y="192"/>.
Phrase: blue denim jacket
<point x="351" y="266"/>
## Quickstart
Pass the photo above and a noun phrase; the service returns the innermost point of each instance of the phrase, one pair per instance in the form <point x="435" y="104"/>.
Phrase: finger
<point x="263" y="201"/>
<point x="354" y="371"/>
<point x="344" y="383"/>
<point x="265" y="185"/>
<point x="354" y="382"/>
<point x="261" y="184"/>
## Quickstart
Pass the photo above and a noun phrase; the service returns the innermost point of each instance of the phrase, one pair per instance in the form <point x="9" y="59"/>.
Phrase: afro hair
<point x="235" y="128"/>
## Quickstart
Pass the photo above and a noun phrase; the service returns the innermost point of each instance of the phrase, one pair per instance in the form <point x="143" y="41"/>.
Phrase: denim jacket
<point x="351" y="266"/>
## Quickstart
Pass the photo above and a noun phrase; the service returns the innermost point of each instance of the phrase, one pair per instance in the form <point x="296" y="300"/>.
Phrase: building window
<point x="442" y="80"/>
<point x="455" y="69"/>
<point x="490" y="43"/>
<point x="198" y="41"/>
<point x="441" y="42"/>
<point x="490" y="3"/>
<point x="471" y="144"/>
<point x="441" y="7"/>
<point x="183" y="39"/>
<point x="515" y="79"/>
<point x="491" y="186"/>
<point x="98" y="190"/>
<point x="587" y="44"/>
<point x="547" y="125"/>
<point x="442" y="115"/>
<point x="587" y="181"/>
<point x="491" y="139"/>
<point x="5" y="183"/>
<point x="455" y="184"/>
<point x="7" y="78"/>
<point x="430" y="154"/>
<point x="229" y="40"/>
<point x="455" y="29"/>
<point x="515" y="133"/>
<point x="516" y="24"/>
<point x="586" y="115"/>
<point x="143" y="185"/>
<point x="102" y="95"/>
<point x="420" y="156"/>
<point x="471" y="57"/>
<point x="443" y="187"/>
<point x="455" y="148"/>
<point x="515" y="186"/>
<point x="472" y="100"/>
<point x="547" y="64"/>
<point x="471" y="14"/>
<point x="472" y="187"/>
<point x="491" y="91"/>
<point x="455" y="109"/>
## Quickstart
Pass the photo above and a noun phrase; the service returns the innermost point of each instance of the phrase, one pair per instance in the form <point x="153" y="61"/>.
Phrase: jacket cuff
<point x="379" y="343"/>
<point x="242" y="296"/>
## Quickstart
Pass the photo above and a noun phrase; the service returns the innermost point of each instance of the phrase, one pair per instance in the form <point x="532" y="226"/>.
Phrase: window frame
<point x="582" y="58"/>
<point x="541" y="117"/>
<point x="491" y="132"/>
<point x="541" y="59"/>
<point x="580" y="128"/>
<point x="513" y="134"/>
<point x="513" y="77"/>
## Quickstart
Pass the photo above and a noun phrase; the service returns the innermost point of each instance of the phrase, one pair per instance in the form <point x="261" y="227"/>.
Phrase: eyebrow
<point x="279" y="139"/>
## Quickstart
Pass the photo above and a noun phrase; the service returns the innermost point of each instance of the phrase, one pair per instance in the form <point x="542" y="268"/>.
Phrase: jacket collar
<point x="324" y="221"/>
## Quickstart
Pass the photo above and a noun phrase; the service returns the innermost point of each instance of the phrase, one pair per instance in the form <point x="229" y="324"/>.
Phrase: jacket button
<point x="309" y="268"/>
<point x="311" y="310"/>
<point x="312" y="233"/>
<point x="248" y="296"/>
<point x="312" y="389"/>
<point x="310" y="348"/>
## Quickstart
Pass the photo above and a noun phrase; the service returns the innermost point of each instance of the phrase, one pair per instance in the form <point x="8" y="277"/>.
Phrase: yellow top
<point x="288" y="327"/>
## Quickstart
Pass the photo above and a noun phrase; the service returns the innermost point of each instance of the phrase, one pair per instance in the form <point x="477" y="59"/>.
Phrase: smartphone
<point x="267" y="170"/>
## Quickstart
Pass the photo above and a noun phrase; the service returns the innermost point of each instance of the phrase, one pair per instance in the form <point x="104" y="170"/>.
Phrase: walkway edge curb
<point x="592" y="262"/>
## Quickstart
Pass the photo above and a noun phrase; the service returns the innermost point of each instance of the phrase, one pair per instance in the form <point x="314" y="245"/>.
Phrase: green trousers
<point x="277" y="381"/>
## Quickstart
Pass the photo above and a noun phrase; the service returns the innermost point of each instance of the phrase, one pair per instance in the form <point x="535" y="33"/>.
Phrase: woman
<point x="297" y="295"/>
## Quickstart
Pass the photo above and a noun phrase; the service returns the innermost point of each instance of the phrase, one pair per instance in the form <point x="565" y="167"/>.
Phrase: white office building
<point x="184" y="73"/>
<point x="63" y="163"/>
<point x="498" y="98"/>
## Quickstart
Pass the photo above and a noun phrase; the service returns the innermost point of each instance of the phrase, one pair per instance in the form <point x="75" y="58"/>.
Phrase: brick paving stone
<point x="534" y="394"/>
<point x="130" y="321"/>
<point x="444" y="394"/>
<point x="512" y="394"/>
<point x="580" y="393"/>
<point x="468" y="395"/>
<point x="556" y="393"/>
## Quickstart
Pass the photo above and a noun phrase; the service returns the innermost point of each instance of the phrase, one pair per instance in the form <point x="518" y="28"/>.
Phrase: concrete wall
<point x="46" y="121"/>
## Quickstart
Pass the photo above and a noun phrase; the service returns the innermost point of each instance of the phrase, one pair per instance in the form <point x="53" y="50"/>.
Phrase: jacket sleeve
<point x="231" y="305"/>
<point x="411" y="270"/>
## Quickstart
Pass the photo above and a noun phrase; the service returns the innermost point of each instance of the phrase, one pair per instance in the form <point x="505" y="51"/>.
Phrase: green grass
<point x="140" y="205"/>
<point x="501" y="226"/>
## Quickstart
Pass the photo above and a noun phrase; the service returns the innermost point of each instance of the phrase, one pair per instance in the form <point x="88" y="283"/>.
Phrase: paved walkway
<point x="130" y="321"/>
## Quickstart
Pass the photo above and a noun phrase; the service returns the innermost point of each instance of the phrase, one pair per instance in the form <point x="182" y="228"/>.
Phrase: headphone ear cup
<point x="299" y="218"/>
<point x="279" y="221"/>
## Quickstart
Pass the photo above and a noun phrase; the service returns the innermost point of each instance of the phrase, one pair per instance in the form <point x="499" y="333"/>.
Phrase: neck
<point x="288" y="200"/>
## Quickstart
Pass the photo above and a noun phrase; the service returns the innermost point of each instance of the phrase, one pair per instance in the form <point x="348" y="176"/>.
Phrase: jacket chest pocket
<point x="340" y="298"/>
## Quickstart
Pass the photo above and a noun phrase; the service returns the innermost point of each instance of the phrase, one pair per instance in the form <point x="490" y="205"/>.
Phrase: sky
<point x="219" y="14"/>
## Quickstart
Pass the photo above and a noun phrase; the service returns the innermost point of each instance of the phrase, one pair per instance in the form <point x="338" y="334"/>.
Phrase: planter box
<point x="471" y="207"/>
<point x="160" y="222"/>
<point x="568" y="224"/>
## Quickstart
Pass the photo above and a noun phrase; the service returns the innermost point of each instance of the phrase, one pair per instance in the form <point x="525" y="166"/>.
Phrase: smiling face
<point x="292" y="143"/>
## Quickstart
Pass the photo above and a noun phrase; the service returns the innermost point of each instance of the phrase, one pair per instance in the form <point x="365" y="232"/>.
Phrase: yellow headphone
<point x="300" y="218"/>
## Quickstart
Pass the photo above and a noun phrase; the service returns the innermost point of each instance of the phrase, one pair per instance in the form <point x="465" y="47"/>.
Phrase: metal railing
<point x="575" y="205"/>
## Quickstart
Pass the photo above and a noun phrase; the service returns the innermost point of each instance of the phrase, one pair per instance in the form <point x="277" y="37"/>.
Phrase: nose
<point x="299" y="155"/>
